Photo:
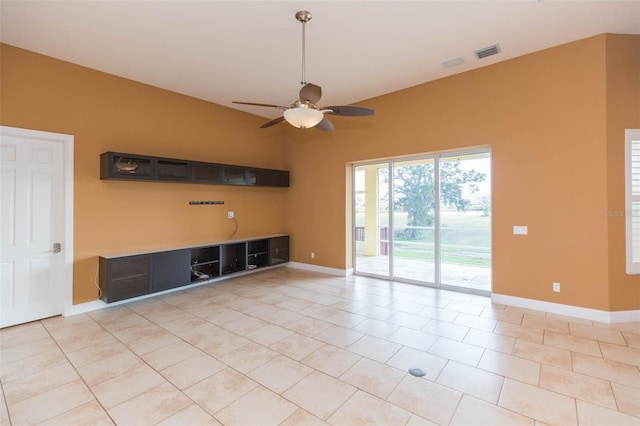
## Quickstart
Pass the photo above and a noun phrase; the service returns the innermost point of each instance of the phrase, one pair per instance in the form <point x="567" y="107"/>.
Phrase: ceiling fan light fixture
<point x="304" y="113"/>
<point x="303" y="117"/>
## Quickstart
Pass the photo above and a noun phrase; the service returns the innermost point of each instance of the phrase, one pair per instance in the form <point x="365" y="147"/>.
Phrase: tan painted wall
<point x="623" y="112"/>
<point x="108" y="113"/>
<point x="544" y="115"/>
<point x="547" y="117"/>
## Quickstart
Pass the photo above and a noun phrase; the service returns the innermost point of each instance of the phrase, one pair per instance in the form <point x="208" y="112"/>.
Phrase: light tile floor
<point x="291" y="347"/>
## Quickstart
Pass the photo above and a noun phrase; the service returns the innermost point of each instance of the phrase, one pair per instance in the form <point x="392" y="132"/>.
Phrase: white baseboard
<point x="323" y="269"/>
<point x="84" y="308"/>
<point x="625" y="316"/>
<point x="568" y="310"/>
<point x="503" y="299"/>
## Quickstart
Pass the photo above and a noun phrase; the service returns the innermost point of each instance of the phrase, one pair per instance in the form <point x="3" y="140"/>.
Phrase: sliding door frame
<point x="390" y="164"/>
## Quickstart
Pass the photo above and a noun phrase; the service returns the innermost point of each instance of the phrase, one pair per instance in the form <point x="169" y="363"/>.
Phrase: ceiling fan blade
<point x="272" y="122"/>
<point x="262" y="105"/>
<point x="310" y="93"/>
<point x="325" y="125"/>
<point x="349" y="111"/>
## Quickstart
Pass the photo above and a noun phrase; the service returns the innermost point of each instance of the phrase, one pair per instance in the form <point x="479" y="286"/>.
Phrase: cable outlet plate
<point x="230" y="215"/>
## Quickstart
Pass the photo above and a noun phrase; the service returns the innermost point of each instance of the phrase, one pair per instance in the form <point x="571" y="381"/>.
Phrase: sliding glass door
<point x="465" y="221"/>
<point x="371" y="208"/>
<point x="425" y="220"/>
<point x="414" y="213"/>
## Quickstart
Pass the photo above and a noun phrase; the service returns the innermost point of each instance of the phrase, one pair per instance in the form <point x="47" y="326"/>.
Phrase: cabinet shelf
<point x="205" y="263"/>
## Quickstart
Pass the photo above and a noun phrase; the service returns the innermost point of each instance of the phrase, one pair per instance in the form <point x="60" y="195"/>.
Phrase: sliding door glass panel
<point x="371" y="208"/>
<point x="414" y="214"/>
<point x="465" y="221"/>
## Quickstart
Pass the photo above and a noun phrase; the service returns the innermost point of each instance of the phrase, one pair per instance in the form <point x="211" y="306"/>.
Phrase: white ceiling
<point x="221" y="51"/>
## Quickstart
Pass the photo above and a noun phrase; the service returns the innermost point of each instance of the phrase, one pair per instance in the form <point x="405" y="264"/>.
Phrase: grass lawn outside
<point x="465" y="239"/>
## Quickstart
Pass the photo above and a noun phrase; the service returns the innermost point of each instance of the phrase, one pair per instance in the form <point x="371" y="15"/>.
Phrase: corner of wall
<point x="623" y="112"/>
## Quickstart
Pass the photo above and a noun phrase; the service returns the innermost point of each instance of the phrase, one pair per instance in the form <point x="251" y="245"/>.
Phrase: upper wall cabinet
<point x="121" y="166"/>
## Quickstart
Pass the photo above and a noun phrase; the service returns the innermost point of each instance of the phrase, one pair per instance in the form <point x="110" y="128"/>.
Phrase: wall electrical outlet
<point x="230" y="215"/>
<point x="313" y="255"/>
<point x="556" y="287"/>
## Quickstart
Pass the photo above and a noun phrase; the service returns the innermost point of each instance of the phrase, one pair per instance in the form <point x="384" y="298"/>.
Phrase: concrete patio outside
<point x="472" y="277"/>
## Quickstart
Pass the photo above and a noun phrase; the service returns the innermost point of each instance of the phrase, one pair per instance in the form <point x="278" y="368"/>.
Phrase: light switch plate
<point x="520" y="230"/>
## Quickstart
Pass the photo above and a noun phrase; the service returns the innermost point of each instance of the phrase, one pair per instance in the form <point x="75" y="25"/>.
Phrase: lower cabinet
<point x="125" y="277"/>
<point x="171" y="269"/>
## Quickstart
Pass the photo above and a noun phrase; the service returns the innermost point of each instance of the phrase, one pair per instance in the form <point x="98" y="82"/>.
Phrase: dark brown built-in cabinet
<point x="122" y="166"/>
<point x="127" y="276"/>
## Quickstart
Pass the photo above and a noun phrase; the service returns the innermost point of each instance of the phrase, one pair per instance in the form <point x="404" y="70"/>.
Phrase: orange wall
<point x="108" y="113"/>
<point x="623" y="112"/>
<point x="544" y="115"/>
<point x="553" y="120"/>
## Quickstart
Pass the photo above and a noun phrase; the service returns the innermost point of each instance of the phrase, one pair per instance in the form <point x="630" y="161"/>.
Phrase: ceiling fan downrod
<point x="303" y="16"/>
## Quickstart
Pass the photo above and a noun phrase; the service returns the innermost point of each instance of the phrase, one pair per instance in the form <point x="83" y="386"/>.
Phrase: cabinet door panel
<point x="278" y="250"/>
<point x="267" y="177"/>
<point x="206" y="173"/>
<point x="279" y="178"/>
<point x="234" y="175"/>
<point x="125" y="277"/>
<point x="172" y="170"/>
<point x="171" y="269"/>
<point x="125" y="166"/>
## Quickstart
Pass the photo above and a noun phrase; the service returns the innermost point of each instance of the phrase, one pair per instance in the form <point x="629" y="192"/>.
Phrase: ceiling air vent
<point x="488" y="51"/>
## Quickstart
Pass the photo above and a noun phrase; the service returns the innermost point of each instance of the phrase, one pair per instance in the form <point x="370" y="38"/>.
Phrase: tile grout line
<point x="4" y="401"/>
<point x="78" y="373"/>
<point x="245" y="293"/>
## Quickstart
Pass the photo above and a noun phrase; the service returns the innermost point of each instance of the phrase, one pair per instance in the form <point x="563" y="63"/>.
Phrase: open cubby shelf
<point x="126" y="276"/>
<point x="205" y="263"/>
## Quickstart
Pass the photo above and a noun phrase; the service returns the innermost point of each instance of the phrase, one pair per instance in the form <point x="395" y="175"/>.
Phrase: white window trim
<point x="630" y="136"/>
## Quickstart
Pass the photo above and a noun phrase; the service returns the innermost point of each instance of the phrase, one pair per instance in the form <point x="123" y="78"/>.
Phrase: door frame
<point x="67" y="142"/>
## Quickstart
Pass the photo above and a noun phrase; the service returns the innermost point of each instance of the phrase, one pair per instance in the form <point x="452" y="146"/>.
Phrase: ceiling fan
<point x="304" y="113"/>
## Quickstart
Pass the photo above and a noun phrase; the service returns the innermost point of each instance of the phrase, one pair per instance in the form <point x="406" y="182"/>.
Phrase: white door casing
<point x="36" y="214"/>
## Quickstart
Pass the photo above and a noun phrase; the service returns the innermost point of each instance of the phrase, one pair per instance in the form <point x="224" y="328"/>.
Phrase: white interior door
<point x="32" y="225"/>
